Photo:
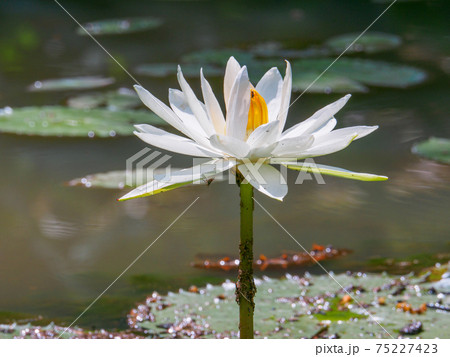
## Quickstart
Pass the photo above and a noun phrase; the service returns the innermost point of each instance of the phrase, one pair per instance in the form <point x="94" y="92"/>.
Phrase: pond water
<point x="60" y="246"/>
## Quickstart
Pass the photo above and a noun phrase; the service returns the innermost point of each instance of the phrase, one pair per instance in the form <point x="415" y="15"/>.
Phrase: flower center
<point x="257" y="115"/>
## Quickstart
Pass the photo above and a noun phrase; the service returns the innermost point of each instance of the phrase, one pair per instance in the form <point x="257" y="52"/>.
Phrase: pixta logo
<point x="144" y="165"/>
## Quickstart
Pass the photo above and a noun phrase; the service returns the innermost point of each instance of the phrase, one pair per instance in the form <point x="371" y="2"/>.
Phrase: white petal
<point x="195" y="105"/>
<point x="326" y="128"/>
<point x="229" y="145"/>
<point x="291" y="147"/>
<point x="328" y="144"/>
<point x="231" y="72"/>
<point x="212" y="106"/>
<point x="316" y="121"/>
<point x="171" y="142"/>
<point x="264" y="135"/>
<point x="285" y="96"/>
<point x="176" y="179"/>
<point x="270" y="88"/>
<point x="238" y="106"/>
<point x="180" y="106"/>
<point x="160" y="109"/>
<point x="266" y="179"/>
<point x="361" y="131"/>
<point x="333" y="171"/>
<point x="261" y="151"/>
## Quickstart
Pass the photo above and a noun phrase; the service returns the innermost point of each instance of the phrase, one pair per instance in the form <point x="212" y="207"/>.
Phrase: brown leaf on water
<point x="286" y="260"/>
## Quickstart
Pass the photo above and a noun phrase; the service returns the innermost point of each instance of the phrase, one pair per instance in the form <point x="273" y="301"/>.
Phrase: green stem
<point x="245" y="286"/>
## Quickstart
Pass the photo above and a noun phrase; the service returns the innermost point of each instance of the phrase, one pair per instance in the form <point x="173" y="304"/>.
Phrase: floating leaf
<point x="437" y="149"/>
<point x="415" y="263"/>
<point x="118" y="179"/>
<point x="120" y="26"/>
<point x="296" y="307"/>
<point x="168" y="69"/>
<point x="370" y="72"/>
<point x="122" y="178"/>
<point x="318" y="306"/>
<point x="52" y="331"/>
<point x="217" y="57"/>
<point x="87" y="101"/>
<point x="62" y="121"/>
<point x="327" y="83"/>
<point x="275" y="50"/>
<point x="284" y="261"/>
<point x="120" y="99"/>
<point x="370" y="42"/>
<point x="73" y="83"/>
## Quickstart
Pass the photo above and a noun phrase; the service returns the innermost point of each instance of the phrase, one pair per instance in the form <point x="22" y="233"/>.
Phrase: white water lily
<point x="250" y="132"/>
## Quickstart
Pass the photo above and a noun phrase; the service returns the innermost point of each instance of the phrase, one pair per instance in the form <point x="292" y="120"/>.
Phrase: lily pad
<point x="276" y="50"/>
<point x="437" y="149"/>
<point x="117" y="179"/>
<point x="86" y="101"/>
<point x="328" y="83"/>
<point x="121" y="178"/>
<point x="120" y="99"/>
<point x="120" y="26"/>
<point x="74" y="83"/>
<point x="62" y="121"/>
<point x="169" y="69"/>
<point x="217" y="57"/>
<point x="370" y="42"/>
<point x="300" y="307"/>
<point x="369" y="72"/>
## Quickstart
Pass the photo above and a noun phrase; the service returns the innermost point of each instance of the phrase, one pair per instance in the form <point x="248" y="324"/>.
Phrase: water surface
<point x="61" y="246"/>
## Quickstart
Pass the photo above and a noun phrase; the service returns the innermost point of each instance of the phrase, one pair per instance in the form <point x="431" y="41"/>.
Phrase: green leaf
<point x="437" y="149"/>
<point x="74" y="83"/>
<point x="120" y="99"/>
<point x="370" y="42"/>
<point x="62" y="121"/>
<point x="370" y="72"/>
<point x="87" y="101"/>
<point x="120" y="26"/>
<point x="169" y="69"/>
<point x="117" y="179"/>
<point x="299" y="307"/>
<point x="290" y="307"/>
<point x="327" y="83"/>
<point x="337" y="315"/>
<point x="333" y="171"/>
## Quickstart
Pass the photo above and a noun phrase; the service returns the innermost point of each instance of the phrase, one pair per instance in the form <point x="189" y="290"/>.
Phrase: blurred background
<point x="60" y="246"/>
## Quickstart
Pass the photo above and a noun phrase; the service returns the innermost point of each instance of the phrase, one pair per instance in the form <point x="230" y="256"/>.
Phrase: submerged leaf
<point x="120" y="99"/>
<point x="370" y="72"/>
<point x="370" y="42"/>
<point x="437" y="149"/>
<point x="62" y="121"/>
<point x="119" y="26"/>
<point x="74" y="83"/>
<point x="327" y="83"/>
<point x="117" y="179"/>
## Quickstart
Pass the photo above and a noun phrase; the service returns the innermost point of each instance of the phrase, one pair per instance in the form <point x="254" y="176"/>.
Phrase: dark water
<point x="60" y="246"/>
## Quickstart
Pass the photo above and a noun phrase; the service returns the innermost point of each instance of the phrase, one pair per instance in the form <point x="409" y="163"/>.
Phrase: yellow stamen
<point x="257" y="115"/>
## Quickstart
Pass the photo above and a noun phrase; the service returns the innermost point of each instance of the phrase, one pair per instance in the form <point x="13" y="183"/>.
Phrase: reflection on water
<point x="61" y="246"/>
<point x="423" y="176"/>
